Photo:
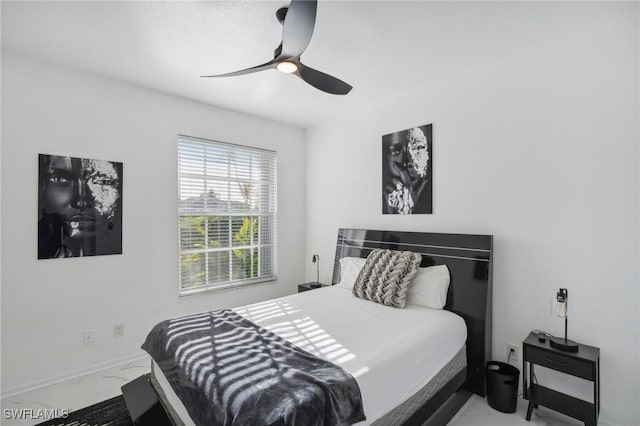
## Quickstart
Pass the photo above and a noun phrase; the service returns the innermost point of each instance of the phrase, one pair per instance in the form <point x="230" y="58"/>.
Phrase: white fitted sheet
<point x="392" y="353"/>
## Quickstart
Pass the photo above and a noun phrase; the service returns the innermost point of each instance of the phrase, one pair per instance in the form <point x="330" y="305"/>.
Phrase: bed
<point x="413" y="366"/>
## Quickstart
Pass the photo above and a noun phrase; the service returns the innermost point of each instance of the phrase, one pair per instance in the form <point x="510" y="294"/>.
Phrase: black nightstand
<point x="584" y="364"/>
<point x="309" y="286"/>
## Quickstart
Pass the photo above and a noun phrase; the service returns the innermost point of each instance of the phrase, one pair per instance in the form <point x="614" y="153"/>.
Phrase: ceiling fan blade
<point x="265" y="66"/>
<point x="323" y="81"/>
<point x="298" y="27"/>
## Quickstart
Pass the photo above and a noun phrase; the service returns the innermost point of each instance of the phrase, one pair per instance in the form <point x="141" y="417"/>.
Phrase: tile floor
<point x="75" y="393"/>
<point x="478" y="413"/>
<point x="92" y="388"/>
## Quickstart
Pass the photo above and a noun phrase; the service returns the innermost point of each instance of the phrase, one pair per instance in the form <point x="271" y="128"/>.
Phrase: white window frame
<point x="258" y="211"/>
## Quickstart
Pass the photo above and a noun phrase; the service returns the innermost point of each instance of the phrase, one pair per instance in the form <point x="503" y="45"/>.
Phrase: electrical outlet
<point x="118" y="330"/>
<point x="88" y="337"/>
<point x="513" y="351"/>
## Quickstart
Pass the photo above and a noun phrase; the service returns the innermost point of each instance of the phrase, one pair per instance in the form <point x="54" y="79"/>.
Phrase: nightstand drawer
<point x="559" y="362"/>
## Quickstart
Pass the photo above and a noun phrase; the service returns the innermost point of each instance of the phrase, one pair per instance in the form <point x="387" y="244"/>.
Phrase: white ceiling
<point x="383" y="49"/>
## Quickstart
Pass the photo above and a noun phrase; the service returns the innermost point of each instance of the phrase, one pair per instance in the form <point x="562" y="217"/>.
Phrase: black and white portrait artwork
<point x="79" y="207"/>
<point x="407" y="171"/>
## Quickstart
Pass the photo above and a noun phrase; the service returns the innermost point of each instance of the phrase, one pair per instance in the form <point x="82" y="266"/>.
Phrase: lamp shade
<point x="562" y="299"/>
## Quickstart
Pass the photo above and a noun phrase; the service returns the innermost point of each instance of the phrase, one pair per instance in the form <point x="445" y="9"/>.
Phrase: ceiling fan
<point x="298" y="21"/>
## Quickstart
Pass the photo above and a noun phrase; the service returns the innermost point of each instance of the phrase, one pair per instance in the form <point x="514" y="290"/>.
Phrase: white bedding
<point x="391" y="352"/>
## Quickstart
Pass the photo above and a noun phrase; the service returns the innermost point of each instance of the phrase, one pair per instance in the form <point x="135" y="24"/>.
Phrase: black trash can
<point x="502" y="386"/>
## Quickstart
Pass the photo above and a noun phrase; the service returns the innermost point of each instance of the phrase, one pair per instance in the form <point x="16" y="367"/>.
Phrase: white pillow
<point x="349" y="270"/>
<point x="429" y="287"/>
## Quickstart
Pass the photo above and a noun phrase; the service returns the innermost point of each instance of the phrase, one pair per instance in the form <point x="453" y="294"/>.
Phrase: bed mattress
<point x="392" y="353"/>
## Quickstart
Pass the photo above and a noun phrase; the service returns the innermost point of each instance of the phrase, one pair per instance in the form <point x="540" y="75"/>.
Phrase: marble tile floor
<point x="75" y="393"/>
<point x="478" y="413"/>
<point x="92" y="388"/>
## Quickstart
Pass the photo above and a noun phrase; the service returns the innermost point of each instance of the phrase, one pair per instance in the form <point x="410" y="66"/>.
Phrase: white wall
<point x="0" y="211"/>
<point x="540" y="150"/>
<point x="47" y="304"/>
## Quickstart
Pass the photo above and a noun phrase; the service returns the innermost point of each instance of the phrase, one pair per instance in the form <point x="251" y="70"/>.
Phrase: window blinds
<point x="227" y="212"/>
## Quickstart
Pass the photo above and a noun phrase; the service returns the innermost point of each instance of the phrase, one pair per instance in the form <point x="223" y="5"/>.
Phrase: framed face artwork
<point x="79" y="207"/>
<point x="407" y="185"/>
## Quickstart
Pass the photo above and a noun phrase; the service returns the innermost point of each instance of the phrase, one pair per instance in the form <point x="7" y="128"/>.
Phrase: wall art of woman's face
<point x="80" y="207"/>
<point x="406" y="171"/>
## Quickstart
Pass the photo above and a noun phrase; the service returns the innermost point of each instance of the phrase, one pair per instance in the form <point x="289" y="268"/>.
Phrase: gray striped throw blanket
<point x="227" y="371"/>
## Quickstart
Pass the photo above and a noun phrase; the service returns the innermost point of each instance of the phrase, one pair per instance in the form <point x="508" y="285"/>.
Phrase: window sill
<point x="229" y="286"/>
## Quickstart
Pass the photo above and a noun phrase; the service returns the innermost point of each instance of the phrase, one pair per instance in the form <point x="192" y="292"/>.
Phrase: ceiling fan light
<point x="287" y="67"/>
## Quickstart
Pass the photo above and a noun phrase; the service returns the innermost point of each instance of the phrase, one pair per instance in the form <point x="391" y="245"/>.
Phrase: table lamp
<point x="561" y="311"/>
<point x="316" y="260"/>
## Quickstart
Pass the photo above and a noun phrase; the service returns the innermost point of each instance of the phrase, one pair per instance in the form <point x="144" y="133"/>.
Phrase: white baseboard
<point x="93" y="368"/>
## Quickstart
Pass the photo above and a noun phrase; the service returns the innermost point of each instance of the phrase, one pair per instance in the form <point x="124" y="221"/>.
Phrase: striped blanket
<point x="227" y="370"/>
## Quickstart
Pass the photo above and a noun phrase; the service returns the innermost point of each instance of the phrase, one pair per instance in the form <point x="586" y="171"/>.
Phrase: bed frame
<point x="469" y="259"/>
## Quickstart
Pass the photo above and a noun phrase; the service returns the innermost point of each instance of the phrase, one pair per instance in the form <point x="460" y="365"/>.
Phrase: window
<point x="227" y="213"/>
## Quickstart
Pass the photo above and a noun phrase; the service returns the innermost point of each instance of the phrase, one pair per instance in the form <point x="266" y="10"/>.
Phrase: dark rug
<point x="112" y="412"/>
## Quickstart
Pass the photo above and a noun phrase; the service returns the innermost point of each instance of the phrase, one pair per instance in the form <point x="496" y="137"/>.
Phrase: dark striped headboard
<point x="469" y="259"/>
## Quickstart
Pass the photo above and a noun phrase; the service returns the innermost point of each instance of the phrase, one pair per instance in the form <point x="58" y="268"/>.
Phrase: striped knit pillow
<point x="386" y="275"/>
